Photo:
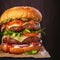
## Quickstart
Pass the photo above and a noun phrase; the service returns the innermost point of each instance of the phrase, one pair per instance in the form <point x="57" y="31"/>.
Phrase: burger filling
<point x="18" y="29"/>
<point x="19" y="33"/>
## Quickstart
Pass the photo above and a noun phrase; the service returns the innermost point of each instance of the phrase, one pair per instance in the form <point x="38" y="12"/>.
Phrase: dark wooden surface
<point x="49" y="12"/>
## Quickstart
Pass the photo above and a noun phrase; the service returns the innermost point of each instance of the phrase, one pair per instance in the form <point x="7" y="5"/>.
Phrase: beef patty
<point x="26" y="41"/>
<point x="29" y="26"/>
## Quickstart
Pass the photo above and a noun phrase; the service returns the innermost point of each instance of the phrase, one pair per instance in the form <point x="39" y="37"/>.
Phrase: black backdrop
<point x="49" y="12"/>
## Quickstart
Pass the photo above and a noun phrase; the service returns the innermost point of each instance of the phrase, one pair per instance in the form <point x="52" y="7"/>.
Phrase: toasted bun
<point x="8" y="48"/>
<point x="19" y="12"/>
<point x="22" y="50"/>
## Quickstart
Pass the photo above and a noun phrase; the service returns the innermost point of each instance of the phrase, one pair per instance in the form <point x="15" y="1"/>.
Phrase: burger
<point x="21" y="30"/>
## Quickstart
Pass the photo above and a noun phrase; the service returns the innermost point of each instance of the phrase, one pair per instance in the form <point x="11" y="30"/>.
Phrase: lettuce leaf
<point x="32" y="52"/>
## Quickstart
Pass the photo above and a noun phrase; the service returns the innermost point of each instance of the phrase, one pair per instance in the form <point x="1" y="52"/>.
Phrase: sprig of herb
<point x="42" y="31"/>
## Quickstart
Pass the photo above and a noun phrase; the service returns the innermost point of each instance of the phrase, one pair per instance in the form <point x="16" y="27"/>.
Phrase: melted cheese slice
<point x="22" y="38"/>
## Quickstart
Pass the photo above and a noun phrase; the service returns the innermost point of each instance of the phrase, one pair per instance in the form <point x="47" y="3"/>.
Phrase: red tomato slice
<point x="18" y="22"/>
<point x="34" y="43"/>
<point x="15" y="22"/>
<point x="30" y="34"/>
<point x="31" y="22"/>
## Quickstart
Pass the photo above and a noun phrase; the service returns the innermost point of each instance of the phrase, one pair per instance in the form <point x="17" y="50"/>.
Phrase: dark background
<point x="49" y="10"/>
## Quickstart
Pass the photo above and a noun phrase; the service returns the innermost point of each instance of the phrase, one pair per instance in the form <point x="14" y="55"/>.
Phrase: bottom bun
<point x="5" y="47"/>
<point x="17" y="49"/>
<point x="27" y="49"/>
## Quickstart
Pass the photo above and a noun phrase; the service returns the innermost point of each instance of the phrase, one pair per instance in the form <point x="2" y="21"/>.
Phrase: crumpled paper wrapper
<point x="42" y="54"/>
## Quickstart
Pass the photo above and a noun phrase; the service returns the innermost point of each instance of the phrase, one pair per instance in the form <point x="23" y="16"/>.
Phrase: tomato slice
<point x="31" y="22"/>
<point x="34" y="43"/>
<point x="15" y="22"/>
<point x="30" y="34"/>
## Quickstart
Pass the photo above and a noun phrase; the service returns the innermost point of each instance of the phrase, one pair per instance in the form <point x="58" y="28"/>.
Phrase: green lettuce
<point x="32" y="52"/>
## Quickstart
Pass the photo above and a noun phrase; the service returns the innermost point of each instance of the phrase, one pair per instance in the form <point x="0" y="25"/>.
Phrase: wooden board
<point x="42" y="54"/>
